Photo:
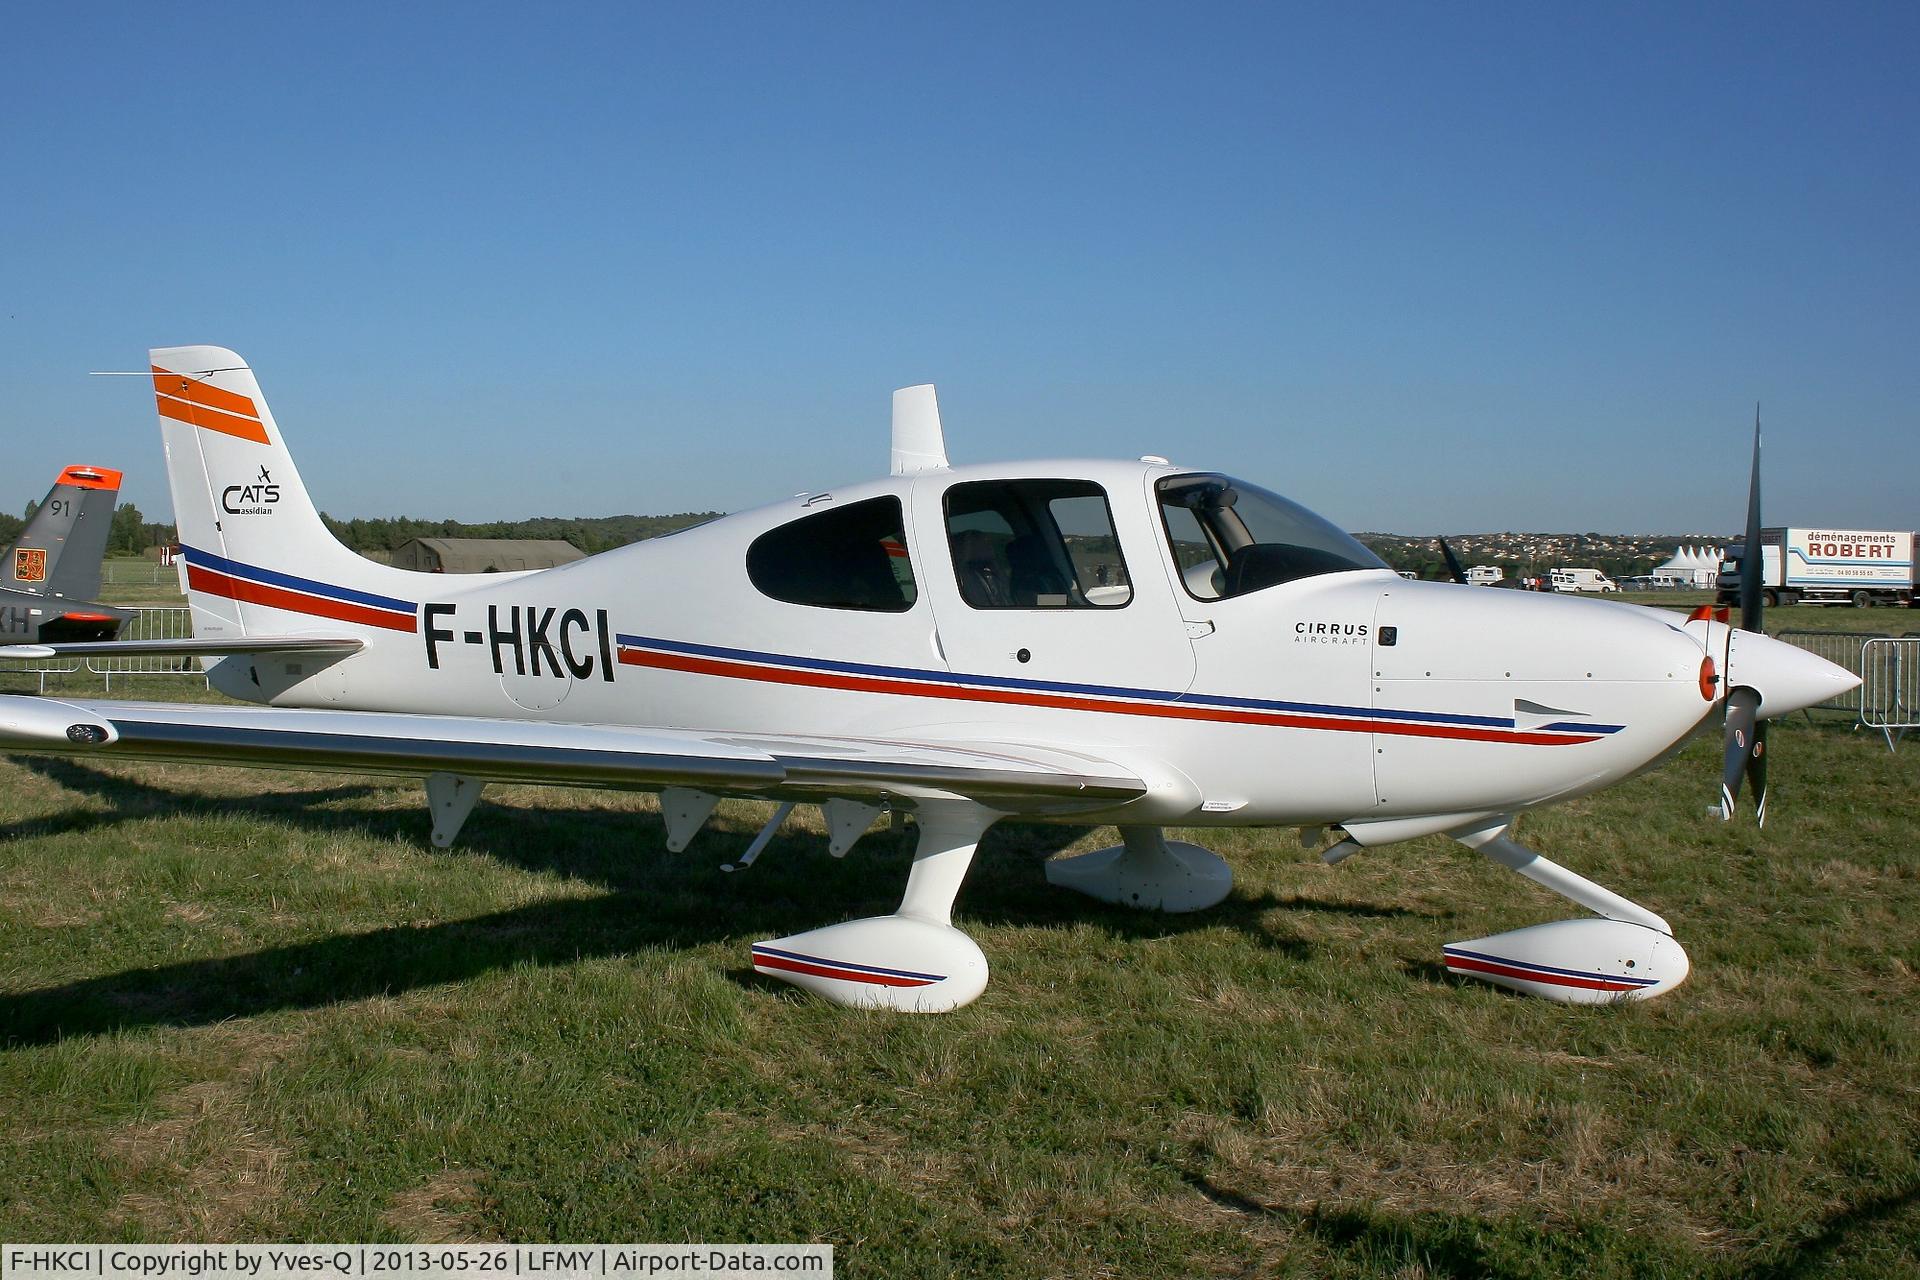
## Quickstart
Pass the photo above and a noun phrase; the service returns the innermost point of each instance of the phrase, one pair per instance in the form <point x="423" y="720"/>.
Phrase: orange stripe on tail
<point x="199" y="404"/>
<point x="91" y="477"/>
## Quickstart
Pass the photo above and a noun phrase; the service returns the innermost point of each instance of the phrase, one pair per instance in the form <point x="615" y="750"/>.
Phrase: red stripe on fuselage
<point x="764" y="961"/>
<point x="216" y="583"/>
<point x="1551" y="979"/>
<point x="1071" y="702"/>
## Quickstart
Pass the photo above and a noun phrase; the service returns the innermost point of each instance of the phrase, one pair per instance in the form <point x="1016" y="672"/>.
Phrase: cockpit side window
<point x="853" y="557"/>
<point x="1231" y="538"/>
<point x="1196" y="552"/>
<point x="1035" y="544"/>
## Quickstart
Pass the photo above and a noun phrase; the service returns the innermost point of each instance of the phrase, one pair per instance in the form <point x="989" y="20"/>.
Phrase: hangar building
<point x="484" y="555"/>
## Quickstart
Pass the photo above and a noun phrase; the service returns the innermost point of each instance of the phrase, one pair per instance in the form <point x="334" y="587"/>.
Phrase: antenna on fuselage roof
<point x="918" y="444"/>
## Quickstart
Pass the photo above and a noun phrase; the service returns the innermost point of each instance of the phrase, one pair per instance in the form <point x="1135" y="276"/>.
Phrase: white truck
<point x="1581" y="580"/>
<point x="1860" y="567"/>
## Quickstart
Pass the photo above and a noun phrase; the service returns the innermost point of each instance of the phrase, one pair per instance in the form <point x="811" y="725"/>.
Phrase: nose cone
<point x="1786" y="678"/>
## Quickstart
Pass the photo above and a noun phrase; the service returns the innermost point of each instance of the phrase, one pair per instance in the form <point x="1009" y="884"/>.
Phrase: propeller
<point x="1745" y="754"/>
<point x="1453" y="563"/>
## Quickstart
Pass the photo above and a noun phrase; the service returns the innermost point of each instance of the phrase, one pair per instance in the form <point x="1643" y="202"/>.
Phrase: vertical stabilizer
<point x="58" y="553"/>
<point x="918" y="444"/>
<point x="259" y="559"/>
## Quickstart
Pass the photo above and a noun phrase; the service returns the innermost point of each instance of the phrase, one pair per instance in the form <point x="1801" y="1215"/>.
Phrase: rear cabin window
<point x="852" y="557"/>
<point x="1035" y="544"/>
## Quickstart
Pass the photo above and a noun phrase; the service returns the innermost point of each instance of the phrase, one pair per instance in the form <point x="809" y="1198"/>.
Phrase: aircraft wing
<point x="185" y="647"/>
<point x="790" y="767"/>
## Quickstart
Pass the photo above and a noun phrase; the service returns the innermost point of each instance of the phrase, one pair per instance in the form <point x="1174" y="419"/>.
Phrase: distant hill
<point x="1532" y="554"/>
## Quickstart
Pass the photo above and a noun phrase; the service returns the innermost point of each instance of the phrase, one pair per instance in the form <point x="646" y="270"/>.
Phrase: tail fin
<point x="58" y="553"/>
<point x="259" y="560"/>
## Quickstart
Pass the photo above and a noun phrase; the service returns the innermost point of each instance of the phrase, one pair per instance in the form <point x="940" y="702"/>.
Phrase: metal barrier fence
<point x="1843" y="649"/>
<point x="153" y="622"/>
<point x="1890" y="688"/>
<point x="149" y="622"/>
<point x="126" y="572"/>
<point x="42" y="667"/>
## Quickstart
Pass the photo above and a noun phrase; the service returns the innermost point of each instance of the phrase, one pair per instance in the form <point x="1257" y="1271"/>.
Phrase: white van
<point x="1582" y="580"/>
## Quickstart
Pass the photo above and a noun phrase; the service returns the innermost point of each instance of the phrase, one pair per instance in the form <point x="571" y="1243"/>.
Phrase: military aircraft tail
<point x="260" y="562"/>
<point x="58" y="553"/>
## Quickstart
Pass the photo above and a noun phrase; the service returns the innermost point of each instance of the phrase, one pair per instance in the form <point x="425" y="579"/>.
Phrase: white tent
<point x="1690" y="567"/>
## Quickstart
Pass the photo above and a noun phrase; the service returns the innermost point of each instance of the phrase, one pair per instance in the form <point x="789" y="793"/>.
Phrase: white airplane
<point x="1134" y="643"/>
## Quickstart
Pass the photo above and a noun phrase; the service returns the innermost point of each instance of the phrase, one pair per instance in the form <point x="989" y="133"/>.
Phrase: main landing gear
<point x="916" y="961"/>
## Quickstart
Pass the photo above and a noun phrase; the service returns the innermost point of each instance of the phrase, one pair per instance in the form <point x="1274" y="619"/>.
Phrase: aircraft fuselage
<point x="1337" y="697"/>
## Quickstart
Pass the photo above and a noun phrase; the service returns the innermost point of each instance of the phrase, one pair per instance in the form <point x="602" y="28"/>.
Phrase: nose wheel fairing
<point x="1624" y="952"/>
<point x="1590" y="961"/>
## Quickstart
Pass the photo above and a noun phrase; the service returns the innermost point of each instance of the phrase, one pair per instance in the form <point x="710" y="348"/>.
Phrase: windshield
<point x="1230" y="537"/>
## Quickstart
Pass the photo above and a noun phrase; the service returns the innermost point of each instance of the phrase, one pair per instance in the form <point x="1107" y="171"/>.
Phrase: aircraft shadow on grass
<point x="1458" y="1246"/>
<point x="130" y="800"/>
<point x="655" y="899"/>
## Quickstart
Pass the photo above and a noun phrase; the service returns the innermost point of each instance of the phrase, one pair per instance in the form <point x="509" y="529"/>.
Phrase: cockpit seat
<point x="1031" y="574"/>
<point x="984" y="580"/>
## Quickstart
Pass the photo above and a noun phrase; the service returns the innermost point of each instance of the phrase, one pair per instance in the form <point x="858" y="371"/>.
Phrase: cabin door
<point x="1051" y="592"/>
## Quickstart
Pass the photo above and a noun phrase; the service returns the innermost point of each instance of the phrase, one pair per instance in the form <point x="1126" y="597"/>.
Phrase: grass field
<point x="255" y="1005"/>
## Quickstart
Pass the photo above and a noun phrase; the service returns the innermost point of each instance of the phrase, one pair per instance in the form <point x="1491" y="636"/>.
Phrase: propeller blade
<point x="1453" y="563"/>
<point x="1751" y="560"/>
<point x="1757" y="772"/>
<point x="1742" y="740"/>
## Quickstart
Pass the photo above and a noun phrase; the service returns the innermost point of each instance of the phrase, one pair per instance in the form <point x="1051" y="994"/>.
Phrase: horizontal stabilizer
<point x="186" y="647"/>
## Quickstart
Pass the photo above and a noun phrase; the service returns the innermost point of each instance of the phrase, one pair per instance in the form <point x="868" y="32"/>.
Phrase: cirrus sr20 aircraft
<point x="1134" y="643"/>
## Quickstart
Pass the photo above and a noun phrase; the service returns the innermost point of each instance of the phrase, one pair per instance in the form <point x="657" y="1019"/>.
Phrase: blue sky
<point x="1423" y="267"/>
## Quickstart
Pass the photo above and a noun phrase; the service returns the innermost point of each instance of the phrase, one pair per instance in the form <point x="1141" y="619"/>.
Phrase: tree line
<point x="591" y="534"/>
<point x="132" y="533"/>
